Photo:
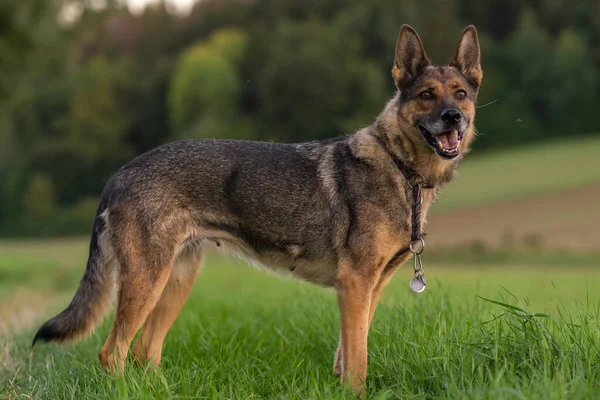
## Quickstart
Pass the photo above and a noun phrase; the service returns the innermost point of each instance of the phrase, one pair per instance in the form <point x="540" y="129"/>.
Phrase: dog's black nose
<point x="451" y="116"/>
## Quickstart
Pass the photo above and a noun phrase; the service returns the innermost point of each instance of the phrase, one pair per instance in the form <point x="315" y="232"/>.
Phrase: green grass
<point x="249" y="334"/>
<point x="536" y="169"/>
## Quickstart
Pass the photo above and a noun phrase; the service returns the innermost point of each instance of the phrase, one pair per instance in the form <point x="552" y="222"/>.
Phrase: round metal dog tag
<point x="418" y="284"/>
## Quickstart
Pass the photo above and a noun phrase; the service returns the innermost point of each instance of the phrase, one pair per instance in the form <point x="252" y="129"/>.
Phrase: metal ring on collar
<point x="414" y="246"/>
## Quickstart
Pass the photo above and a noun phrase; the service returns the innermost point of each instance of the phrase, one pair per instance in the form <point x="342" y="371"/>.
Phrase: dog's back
<point x="266" y="194"/>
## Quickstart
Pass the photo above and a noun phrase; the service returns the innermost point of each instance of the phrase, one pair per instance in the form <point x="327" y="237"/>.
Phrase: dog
<point x="333" y="212"/>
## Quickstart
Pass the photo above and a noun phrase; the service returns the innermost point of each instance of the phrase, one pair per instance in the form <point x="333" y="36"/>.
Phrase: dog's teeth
<point x="440" y="144"/>
<point x="449" y="151"/>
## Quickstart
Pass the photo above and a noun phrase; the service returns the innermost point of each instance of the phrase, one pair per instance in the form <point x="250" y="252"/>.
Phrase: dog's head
<point x="437" y="104"/>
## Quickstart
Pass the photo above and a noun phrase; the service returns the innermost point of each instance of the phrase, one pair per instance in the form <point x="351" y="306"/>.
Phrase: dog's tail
<point x="93" y="297"/>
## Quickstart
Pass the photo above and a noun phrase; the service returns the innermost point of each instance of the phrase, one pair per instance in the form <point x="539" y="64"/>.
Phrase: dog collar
<point x="410" y="173"/>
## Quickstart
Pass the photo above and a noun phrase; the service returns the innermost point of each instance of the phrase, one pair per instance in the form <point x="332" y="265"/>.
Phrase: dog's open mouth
<point x="445" y="144"/>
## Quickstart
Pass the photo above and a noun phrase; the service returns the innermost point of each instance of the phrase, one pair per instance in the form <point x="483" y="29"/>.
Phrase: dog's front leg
<point x="375" y="295"/>
<point x="384" y="279"/>
<point x="354" y="298"/>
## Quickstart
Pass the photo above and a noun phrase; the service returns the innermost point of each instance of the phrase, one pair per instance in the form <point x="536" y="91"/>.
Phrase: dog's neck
<point x="412" y="151"/>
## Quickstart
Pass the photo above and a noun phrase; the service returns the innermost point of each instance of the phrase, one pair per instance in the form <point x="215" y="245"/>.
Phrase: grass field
<point x="539" y="168"/>
<point x="494" y="323"/>
<point x="250" y="334"/>
<point x="546" y="192"/>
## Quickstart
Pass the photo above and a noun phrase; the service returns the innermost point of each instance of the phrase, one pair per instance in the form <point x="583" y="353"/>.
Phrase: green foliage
<point x="313" y="84"/>
<point x="99" y="117"/>
<point x="573" y="78"/>
<point x="19" y="24"/>
<point x="540" y="85"/>
<point x="206" y="88"/>
<point x="40" y="197"/>
<point x="78" y="101"/>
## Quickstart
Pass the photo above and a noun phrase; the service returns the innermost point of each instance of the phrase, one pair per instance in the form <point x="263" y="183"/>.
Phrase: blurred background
<point x="86" y="85"/>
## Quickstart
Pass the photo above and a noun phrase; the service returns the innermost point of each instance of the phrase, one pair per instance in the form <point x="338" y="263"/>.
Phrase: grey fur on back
<point x="267" y="194"/>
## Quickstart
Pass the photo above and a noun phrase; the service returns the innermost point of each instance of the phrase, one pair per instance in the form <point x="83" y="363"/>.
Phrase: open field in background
<point x="568" y="219"/>
<point x="529" y="239"/>
<point x="527" y="171"/>
<point x="33" y="274"/>
<point x="545" y="194"/>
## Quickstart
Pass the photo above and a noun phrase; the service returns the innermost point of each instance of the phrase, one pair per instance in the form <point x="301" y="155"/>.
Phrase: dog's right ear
<point x="410" y="56"/>
<point x="467" y="57"/>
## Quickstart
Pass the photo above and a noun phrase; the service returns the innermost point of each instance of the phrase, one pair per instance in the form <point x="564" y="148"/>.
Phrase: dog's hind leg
<point x="144" y="270"/>
<point x="137" y="298"/>
<point x="148" y="347"/>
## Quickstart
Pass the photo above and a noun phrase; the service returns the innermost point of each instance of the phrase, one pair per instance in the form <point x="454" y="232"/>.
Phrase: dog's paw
<point x="337" y="370"/>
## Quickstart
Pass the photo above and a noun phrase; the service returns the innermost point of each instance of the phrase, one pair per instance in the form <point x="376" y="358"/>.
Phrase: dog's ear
<point x="410" y="56"/>
<point x="467" y="56"/>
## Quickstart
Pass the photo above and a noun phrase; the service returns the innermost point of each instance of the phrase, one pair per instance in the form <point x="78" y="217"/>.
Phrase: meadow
<point x="551" y="167"/>
<point x="250" y="334"/>
<point x="518" y="323"/>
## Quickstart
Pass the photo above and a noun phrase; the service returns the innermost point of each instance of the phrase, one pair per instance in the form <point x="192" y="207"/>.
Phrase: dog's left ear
<point x="467" y="57"/>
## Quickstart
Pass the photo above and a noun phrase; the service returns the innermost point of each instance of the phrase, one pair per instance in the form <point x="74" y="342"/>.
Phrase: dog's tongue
<point x="449" y="139"/>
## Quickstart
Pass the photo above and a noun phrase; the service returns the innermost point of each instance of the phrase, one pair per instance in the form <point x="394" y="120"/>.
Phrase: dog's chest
<point x="394" y="232"/>
<point x="429" y="196"/>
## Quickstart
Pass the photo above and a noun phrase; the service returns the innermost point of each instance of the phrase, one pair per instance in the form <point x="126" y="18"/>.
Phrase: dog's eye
<point x="460" y="94"/>
<point x="426" y="95"/>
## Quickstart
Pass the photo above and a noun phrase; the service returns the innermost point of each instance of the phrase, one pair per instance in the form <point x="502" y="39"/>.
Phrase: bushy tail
<point x="92" y="299"/>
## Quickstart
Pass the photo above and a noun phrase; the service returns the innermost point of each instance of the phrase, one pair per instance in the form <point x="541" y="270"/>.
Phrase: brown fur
<point x="334" y="212"/>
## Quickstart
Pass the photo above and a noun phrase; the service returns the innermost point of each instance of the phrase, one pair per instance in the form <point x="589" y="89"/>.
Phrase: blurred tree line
<point x="86" y="85"/>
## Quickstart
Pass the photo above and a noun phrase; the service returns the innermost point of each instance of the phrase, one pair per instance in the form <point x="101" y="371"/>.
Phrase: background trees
<point x="86" y="86"/>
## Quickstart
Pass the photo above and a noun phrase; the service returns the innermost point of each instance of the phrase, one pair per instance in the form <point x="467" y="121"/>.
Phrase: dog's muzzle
<point x="446" y="144"/>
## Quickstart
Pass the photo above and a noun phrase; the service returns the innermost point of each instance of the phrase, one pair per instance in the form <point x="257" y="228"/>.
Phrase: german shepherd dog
<point x="334" y="212"/>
